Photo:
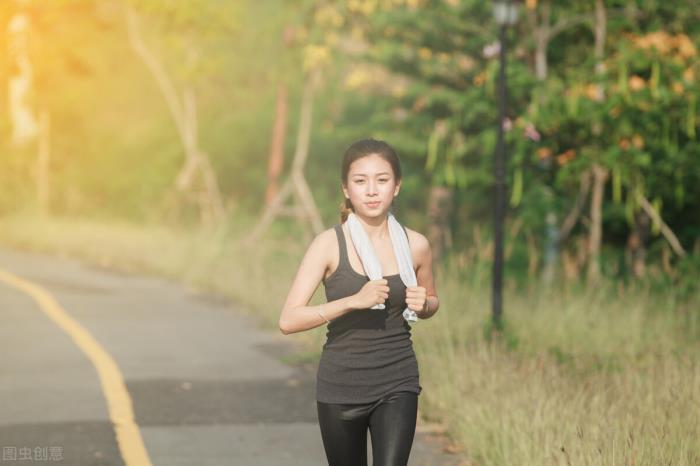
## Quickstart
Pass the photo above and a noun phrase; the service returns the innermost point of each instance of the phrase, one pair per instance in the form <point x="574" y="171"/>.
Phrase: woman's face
<point x="371" y="186"/>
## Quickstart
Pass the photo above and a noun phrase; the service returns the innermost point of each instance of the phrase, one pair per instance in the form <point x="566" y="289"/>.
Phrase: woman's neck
<point x="377" y="228"/>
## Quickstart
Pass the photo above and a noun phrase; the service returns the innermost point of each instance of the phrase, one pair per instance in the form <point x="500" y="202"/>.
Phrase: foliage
<point x="420" y="74"/>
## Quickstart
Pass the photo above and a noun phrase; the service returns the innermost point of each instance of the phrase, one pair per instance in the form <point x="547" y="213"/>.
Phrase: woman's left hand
<point x="416" y="298"/>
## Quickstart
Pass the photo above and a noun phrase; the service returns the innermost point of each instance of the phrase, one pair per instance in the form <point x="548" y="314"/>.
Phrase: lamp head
<point x="505" y="12"/>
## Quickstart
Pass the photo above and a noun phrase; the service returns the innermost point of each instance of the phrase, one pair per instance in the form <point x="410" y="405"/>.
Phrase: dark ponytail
<point x="345" y="209"/>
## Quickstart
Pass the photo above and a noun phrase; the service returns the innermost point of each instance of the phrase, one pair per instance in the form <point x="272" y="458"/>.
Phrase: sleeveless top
<point x="368" y="353"/>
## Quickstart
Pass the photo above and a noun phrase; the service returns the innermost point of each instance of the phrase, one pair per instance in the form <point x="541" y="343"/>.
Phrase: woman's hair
<point x="363" y="148"/>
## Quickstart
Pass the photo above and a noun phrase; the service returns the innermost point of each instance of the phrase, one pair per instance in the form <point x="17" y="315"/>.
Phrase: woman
<point x="368" y="374"/>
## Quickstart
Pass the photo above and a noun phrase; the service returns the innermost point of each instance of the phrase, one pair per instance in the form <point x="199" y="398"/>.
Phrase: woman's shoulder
<point x="323" y="247"/>
<point x="324" y="240"/>
<point x="416" y="238"/>
<point x="326" y="237"/>
<point x="419" y="244"/>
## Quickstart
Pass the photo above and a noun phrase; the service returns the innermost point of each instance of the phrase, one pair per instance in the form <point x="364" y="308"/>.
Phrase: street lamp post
<point x="505" y="13"/>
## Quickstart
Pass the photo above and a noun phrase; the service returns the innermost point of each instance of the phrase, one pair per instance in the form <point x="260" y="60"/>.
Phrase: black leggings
<point x="391" y="421"/>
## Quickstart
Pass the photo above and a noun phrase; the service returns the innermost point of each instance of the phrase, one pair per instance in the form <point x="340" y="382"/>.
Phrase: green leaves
<point x="517" y="192"/>
<point x="691" y="121"/>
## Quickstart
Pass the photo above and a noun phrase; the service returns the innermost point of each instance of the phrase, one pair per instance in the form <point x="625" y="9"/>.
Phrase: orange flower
<point x="636" y="83"/>
<point x="624" y="144"/>
<point x="679" y="45"/>
<point x="544" y="153"/>
<point x="566" y="156"/>
<point x="689" y="75"/>
<point x="593" y="92"/>
<point x="425" y="53"/>
<point x="637" y="141"/>
<point x="685" y="46"/>
<point x="660" y="40"/>
<point x="465" y="63"/>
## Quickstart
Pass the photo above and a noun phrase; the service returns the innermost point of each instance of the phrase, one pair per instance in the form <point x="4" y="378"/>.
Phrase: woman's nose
<point x="371" y="187"/>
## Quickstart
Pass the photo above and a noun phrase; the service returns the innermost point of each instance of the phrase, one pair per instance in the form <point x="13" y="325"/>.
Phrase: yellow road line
<point x="119" y="402"/>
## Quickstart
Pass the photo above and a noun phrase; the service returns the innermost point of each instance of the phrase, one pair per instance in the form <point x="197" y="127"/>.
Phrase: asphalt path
<point x="101" y="368"/>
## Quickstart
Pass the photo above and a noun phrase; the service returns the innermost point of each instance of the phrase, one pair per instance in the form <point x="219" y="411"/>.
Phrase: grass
<point x="593" y="379"/>
<point x="607" y="376"/>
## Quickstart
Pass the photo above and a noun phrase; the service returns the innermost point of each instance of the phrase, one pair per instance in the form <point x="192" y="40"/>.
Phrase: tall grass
<point x="602" y="376"/>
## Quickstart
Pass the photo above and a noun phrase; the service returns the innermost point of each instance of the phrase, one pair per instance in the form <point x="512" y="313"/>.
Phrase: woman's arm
<point x="424" y="276"/>
<point x="296" y="315"/>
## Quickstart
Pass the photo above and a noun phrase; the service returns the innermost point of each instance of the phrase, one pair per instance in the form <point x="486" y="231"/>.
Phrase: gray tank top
<point x="368" y="352"/>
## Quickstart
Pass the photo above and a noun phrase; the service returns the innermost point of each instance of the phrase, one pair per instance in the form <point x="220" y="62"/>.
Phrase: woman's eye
<point x="383" y="180"/>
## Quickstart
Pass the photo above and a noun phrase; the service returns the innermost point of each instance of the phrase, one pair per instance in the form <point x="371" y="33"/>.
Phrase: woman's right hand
<point x="374" y="292"/>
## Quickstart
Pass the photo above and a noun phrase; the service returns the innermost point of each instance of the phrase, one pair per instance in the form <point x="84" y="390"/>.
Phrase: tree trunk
<point x="184" y="113"/>
<point x="210" y="203"/>
<point x="600" y="173"/>
<point x="544" y="32"/>
<point x="439" y="208"/>
<point x="306" y="209"/>
<point x="301" y="153"/>
<point x="542" y="42"/>
<point x="600" y="31"/>
<point x="533" y="256"/>
<point x="44" y="162"/>
<point x="635" y="254"/>
<point x="575" y="213"/>
<point x="20" y="81"/>
<point x="558" y="236"/>
<point x="665" y="230"/>
<point x="601" y="26"/>
<point x="600" y="176"/>
<point x="551" y="248"/>
<point x="542" y="27"/>
<point x="276" y="157"/>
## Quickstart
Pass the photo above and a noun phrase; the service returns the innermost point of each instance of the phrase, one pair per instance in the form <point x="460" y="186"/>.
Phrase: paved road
<point x="206" y="387"/>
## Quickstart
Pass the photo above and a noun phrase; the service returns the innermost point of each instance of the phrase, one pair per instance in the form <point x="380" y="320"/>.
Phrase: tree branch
<point x="161" y="77"/>
<point x="665" y="230"/>
<point x="568" y="22"/>
<point x="575" y="213"/>
<point x="586" y="18"/>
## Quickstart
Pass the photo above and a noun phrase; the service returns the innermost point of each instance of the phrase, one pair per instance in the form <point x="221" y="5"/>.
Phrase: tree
<point x="187" y="31"/>
<point x="314" y="39"/>
<point x="36" y="57"/>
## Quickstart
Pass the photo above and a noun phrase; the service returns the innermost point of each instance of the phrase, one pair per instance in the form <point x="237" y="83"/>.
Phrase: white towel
<point x="370" y="262"/>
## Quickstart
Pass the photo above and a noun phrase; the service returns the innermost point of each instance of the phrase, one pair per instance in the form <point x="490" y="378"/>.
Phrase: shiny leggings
<point x="391" y="421"/>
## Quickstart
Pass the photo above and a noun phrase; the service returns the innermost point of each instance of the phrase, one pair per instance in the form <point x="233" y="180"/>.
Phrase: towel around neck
<point x="370" y="262"/>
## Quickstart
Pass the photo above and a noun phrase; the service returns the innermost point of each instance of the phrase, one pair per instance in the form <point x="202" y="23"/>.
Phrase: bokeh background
<point x="201" y="140"/>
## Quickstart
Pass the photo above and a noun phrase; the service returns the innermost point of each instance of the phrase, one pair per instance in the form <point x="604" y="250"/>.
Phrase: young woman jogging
<point x="378" y="278"/>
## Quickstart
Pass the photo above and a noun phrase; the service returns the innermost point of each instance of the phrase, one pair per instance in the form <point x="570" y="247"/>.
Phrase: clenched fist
<point x="415" y="298"/>
<point x="374" y="292"/>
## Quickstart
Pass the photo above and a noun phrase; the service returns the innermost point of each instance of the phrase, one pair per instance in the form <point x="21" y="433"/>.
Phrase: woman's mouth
<point x="373" y="205"/>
